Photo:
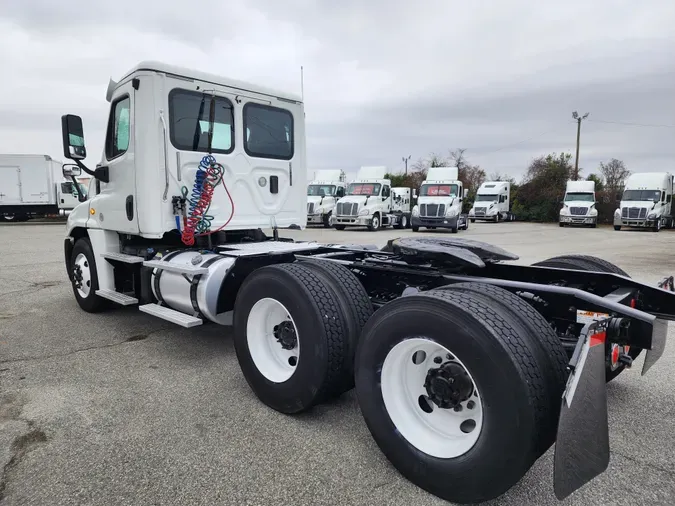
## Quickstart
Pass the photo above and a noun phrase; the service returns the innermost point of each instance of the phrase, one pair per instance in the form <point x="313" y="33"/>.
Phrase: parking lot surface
<point x="122" y="408"/>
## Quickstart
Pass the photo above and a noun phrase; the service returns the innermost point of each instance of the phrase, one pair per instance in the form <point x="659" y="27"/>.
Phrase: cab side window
<point x="119" y="128"/>
<point x="385" y="191"/>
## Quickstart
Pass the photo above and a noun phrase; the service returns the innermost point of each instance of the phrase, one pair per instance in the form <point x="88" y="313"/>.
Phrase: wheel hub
<point x="77" y="276"/>
<point x="448" y="385"/>
<point x="285" y="334"/>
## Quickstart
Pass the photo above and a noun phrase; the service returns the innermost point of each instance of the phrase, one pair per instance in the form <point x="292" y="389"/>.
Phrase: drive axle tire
<point x="452" y="393"/>
<point x="591" y="263"/>
<point x="289" y="336"/>
<point x="355" y="305"/>
<point x="84" y="277"/>
<point x="543" y="340"/>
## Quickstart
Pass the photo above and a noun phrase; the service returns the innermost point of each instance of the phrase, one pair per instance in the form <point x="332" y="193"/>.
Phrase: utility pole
<point x="405" y="160"/>
<point x="576" y="116"/>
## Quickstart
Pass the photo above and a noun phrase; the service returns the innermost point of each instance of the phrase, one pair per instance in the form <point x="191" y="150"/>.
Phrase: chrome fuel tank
<point x="193" y="294"/>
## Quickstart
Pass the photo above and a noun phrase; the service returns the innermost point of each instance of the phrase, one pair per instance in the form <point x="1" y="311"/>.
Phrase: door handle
<point x="130" y="207"/>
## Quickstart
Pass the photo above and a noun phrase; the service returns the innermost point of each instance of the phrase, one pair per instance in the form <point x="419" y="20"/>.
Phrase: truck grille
<point x="578" y="211"/>
<point x="479" y="211"/>
<point x="634" y="212"/>
<point x="310" y="207"/>
<point x="432" y="210"/>
<point x="347" y="209"/>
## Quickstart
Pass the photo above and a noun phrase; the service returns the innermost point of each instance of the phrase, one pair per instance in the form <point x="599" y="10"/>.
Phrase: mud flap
<point x="582" y="444"/>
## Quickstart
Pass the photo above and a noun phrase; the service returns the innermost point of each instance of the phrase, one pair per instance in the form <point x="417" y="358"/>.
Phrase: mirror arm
<point x="84" y="168"/>
<point x="80" y="197"/>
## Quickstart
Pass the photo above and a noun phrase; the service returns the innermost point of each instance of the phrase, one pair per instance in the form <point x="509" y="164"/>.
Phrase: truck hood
<point x="649" y="205"/>
<point x="358" y="199"/>
<point x="448" y="201"/>
<point x="578" y="203"/>
<point x="316" y="200"/>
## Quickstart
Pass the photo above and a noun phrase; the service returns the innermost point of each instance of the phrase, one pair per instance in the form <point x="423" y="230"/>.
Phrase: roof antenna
<point x="302" y="83"/>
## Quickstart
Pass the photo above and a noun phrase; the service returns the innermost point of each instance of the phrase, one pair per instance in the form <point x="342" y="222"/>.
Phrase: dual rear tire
<point x="459" y="386"/>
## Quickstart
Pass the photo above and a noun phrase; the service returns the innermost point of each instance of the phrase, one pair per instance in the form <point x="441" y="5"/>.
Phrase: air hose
<point x="198" y="222"/>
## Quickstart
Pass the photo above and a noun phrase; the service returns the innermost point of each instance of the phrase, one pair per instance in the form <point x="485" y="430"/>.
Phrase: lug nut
<point x="458" y="408"/>
<point x="449" y="356"/>
<point x="470" y="405"/>
<point x="438" y="360"/>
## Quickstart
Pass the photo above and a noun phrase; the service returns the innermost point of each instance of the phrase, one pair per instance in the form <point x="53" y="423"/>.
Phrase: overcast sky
<point x="383" y="79"/>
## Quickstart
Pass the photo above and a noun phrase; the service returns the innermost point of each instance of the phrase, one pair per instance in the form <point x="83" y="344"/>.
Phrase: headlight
<point x="451" y="212"/>
<point x="364" y="212"/>
<point x="651" y="216"/>
<point x="564" y="211"/>
<point x="471" y="212"/>
<point x="617" y="213"/>
<point x="416" y="211"/>
<point x="593" y="211"/>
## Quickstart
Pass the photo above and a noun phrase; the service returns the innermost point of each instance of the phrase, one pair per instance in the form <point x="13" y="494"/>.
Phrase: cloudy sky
<point x="383" y="79"/>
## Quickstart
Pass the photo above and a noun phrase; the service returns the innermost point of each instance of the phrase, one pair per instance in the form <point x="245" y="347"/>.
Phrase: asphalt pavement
<point x="123" y="408"/>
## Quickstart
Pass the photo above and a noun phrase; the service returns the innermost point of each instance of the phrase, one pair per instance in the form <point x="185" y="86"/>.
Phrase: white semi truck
<point x="323" y="193"/>
<point x="578" y="205"/>
<point x="372" y="202"/>
<point x="467" y="366"/>
<point x="647" y="202"/>
<point x="439" y="204"/>
<point x="492" y="203"/>
<point x="31" y="186"/>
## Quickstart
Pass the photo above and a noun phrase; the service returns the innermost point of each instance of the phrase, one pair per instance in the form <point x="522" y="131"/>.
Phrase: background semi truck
<point x="439" y="204"/>
<point x="492" y="202"/>
<point x="578" y="205"/>
<point x="647" y="202"/>
<point x="31" y="186"/>
<point x="323" y="193"/>
<point x="371" y="201"/>
<point x="467" y="366"/>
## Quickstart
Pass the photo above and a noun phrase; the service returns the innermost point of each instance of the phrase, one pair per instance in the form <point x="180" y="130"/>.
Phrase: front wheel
<point x="85" y="277"/>
<point x="374" y="223"/>
<point x="326" y="220"/>
<point x="617" y="227"/>
<point x="415" y="229"/>
<point x="339" y="227"/>
<point x="657" y="226"/>
<point x="473" y="220"/>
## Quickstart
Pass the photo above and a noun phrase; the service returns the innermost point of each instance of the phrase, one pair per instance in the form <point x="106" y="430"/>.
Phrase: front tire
<point x="415" y="229"/>
<point x="339" y="227"/>
<point x="289" y="337"/>
<point x="375" y="223"/>
<point x="326" y="220"/>
<point x="466" y="454"/>
<point x="617" y="227"/>
<point x="84" y="277"/>
<point x="657" y="226"/>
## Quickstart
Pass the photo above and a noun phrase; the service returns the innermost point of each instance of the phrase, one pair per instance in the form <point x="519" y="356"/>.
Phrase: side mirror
<point x="70" y="170"/>
<point x="466" y="192"/>
<point x="73" y="137"/>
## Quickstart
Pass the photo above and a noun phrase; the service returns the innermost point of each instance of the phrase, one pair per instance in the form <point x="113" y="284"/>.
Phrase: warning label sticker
<point x="585" y="317"/>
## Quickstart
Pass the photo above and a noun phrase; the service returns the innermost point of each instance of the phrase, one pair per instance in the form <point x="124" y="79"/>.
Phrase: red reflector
<point x="632" y="303"/>
<point x="597" y="339"/>
<point x="615" y="355"/>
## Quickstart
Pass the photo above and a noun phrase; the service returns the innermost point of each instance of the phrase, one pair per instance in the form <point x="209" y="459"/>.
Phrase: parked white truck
<point x="322" y="195"/>
<point x="579" y="204"/>
<point x="467" y="367"/>
<point x="372" y="202"/>
<point x="31" y="186"/>
<point x="492" y="203"/>
<point x="647" y="202"/>
<point x="439" y="204"/>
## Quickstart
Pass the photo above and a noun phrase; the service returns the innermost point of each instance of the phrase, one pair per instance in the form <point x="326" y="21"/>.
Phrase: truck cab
<point x="322" y="195"/>
<point x="440" y="201"/>
<point x="646" y="202"/>
<point x="578" y="205"/>
<point x="492" y="203"/>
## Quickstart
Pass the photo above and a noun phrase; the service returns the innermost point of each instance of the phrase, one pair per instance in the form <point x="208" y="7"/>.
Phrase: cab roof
<point x="186" y="73"/>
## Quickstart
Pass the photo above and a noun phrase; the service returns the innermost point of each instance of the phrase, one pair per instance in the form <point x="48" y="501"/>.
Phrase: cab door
<point x="115" y="204"/>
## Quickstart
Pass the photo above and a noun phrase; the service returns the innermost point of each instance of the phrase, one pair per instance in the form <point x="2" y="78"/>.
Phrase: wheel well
<point x="68" y="245"/>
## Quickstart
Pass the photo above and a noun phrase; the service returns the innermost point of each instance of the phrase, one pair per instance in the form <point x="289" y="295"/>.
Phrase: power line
<point x="631" y="124"/>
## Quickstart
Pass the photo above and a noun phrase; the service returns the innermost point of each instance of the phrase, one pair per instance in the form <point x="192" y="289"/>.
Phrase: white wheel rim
<point x="9" y="217"/>
<point x="442" y="433"/>
<point x="404" y="221"/>
<point x="83" y="284"/>
<point x="273" y="361"/>
<point x="376" y="222"/>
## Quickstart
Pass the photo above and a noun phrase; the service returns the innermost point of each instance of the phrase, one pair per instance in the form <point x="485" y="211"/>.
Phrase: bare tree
<point x="498" y="176"/>
<point x="472" y="176"/>
<point x="615" y="174"/>
<point x="457" y="158"/>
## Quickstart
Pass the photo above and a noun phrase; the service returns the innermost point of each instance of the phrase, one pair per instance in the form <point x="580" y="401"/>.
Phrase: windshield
<point x="438" y="190"/>
<point x="318" y="190"/>
<point x="364" y="189"/>
<point x="583" y="197"/>
<point x="486" y="198"/>
<point x="646" y="195"/>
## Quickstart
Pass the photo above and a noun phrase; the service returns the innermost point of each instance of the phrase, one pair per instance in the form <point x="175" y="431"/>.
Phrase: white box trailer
<point x="647" y="202"/>
<point x="32" y="186"/>
<point x="492" y="203"/>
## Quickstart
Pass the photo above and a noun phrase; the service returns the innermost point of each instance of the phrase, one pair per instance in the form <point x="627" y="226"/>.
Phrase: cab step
<point x="179" y="268"/>
<point x="122" y="257"/>
<point x="171" y="315"/>
<point x="119" y="298"/>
